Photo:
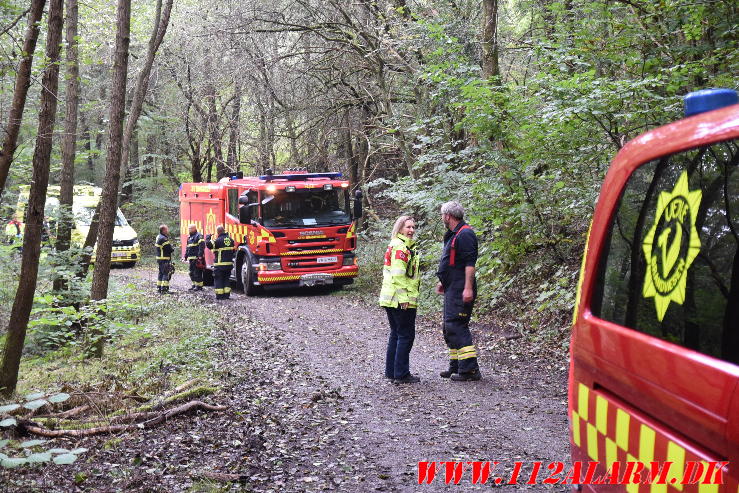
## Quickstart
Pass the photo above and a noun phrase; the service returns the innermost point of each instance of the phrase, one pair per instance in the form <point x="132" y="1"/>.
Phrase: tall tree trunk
<point x="87" y="146"/>
<point x="214" y="134"/>
<point x="131" y="169"/>
<point x="109" y="198"/>
<point x="22" y="83"/>
<point x="69" y="139"/>
<point x="161" y="22"/>
<point x="18" y="323"/>
<point x="490" y="67"/>
<point x="233" y="137"/>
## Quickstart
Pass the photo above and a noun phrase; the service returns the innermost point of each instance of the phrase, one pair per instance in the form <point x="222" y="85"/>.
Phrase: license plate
<point x="317" y="279"/>
<point x="119" y="254"/>
<point x="327" y="260"/>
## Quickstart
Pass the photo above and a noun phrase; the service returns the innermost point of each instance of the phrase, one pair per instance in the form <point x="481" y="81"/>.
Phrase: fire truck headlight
<point x="266" y="266"/>
<point x="271" y="189"/>
<point x="328" y="186"/>
<point x="348" y="260"/>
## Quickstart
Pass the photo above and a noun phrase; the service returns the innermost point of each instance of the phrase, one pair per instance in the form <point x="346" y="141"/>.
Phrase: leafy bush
<point x="32" y="450"/>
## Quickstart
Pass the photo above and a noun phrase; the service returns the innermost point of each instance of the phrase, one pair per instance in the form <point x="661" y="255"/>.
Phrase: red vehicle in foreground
<point x="290" y="230"/>
<point x="655" y="342"/>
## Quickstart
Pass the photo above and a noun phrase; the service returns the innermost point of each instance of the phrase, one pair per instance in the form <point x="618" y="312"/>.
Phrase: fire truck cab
<point x="654" y="353"/>
<point x="291" y="230"/>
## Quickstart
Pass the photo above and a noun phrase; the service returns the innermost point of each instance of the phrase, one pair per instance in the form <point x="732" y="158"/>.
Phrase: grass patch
<point x="156" y="344"/>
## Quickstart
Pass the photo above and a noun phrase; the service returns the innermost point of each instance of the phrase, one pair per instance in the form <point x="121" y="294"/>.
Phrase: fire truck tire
<point x="247" y="276"/>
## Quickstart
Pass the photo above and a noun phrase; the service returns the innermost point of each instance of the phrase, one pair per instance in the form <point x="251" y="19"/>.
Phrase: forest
<point x="515" y="108"/>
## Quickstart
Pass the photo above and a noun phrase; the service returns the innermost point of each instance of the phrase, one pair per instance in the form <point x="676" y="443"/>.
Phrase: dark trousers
<point x="196" y="275"/>
<point x="402" y="334"/>
<point x="163" y="276"/>
<point x="462" y="353"/>
<point x="222" y="282"/>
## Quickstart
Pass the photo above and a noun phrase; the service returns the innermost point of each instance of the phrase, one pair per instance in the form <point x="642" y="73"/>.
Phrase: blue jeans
<point x="402" y="334"/>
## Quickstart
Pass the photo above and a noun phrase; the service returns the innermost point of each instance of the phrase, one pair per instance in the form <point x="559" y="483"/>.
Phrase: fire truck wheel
<point x="247" y="278"/>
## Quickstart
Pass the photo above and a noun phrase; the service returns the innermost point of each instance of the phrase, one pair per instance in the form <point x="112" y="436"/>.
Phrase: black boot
<point x="467" y="376"/>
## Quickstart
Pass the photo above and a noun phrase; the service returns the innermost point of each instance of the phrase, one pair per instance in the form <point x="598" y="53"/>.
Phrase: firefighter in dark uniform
<point x="457" y="283"/>
<point x="164" y="259"/>
<point x="195" y="250"/>
<point x="223" y="249"/>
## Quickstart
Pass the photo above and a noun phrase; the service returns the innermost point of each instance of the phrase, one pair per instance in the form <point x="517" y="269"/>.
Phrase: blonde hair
<point x="399" y="223"/>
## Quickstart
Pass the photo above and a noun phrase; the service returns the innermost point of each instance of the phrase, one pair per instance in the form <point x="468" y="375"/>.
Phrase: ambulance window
<point x="670" y="266"/>
<point x="233" y="201"/>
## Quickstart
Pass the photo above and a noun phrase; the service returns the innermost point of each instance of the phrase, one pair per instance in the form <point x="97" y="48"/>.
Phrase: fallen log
<point x="156" y="420"/>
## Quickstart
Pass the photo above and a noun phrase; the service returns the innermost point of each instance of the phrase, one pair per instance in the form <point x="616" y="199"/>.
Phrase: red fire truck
<point x="290" y="230"/>
<point x="655" y="341"/>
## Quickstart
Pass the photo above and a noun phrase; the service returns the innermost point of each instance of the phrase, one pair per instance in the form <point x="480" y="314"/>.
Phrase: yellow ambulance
<point x="126" y="247"/>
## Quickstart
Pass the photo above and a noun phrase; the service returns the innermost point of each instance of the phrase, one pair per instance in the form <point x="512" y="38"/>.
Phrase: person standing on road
<point x="14" y="232"/>
<point x="164" y="259"/>
<point x="194" y="254"/>
<point x="399" y="295"/>
<point x="458" y="285"/>
<point x="223" y="249"/>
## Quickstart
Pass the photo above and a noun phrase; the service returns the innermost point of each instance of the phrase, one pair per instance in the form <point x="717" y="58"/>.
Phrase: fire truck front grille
<point x="312" y="240"/>
<point x="121" y="243"/>
<point x="309" y="263"/>
<point x="311" y="248"/>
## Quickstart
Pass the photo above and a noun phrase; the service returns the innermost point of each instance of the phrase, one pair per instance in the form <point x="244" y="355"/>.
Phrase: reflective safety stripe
<point x="191" y="258"/>
<point x="164" y="258"/>
<point x="467" y="352"/>
<point x="219" y="291"/>
<point x="397" y="272"/>
<point x="453" y="354"/>
<point x="223" y="263"/>
<point x="227" y="290"/>
<point x="165" y="283"/>
<point x="198" y="283"/>
<point x="605" y="432"/>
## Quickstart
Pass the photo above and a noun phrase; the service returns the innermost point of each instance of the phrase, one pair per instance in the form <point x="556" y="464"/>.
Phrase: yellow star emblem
<point x="676" y="246"/>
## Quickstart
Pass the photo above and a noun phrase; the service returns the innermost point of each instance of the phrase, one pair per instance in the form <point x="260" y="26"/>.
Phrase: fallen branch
<point x="180" y="396"/>
<point x="159" y="418"/>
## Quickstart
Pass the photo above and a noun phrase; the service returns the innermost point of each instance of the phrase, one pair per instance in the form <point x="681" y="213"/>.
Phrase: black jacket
<point x="195" y="246"/>
<point x="223" y="249"/>
<point x="164" y="248"/>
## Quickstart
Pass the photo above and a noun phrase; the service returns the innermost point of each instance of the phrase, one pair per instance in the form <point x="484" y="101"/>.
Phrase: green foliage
<point x="56" y="324"/>
<point x="32" y="450"/>
<point x="527" y="158"/>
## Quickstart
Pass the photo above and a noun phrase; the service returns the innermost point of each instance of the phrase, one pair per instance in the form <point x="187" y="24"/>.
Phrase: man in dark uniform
<point x="164" y="259"/>
<point x="457" y="283"/>
<point x="223" y="249"/>
<point x="194" y="251"/>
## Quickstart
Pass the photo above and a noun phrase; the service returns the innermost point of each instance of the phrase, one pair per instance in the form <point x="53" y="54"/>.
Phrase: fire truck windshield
<point x="306" y="207"/>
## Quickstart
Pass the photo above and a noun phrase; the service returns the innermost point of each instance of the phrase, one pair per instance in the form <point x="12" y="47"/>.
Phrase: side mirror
<point x="357" y="204"/>
<point x="245" y="214"/>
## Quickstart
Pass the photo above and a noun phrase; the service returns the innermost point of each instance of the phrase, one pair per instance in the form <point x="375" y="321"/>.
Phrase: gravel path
<point x="312" y="411"/>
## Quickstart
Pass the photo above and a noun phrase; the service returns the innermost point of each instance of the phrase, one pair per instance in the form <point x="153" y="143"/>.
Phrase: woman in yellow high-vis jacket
<point x="399" y="295"/>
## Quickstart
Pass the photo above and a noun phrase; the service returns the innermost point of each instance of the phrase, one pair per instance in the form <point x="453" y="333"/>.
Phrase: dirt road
<point x="370" y="434"/>
<point x="310" y="409"/>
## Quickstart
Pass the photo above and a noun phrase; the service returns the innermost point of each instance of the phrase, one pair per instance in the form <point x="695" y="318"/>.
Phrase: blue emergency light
<point x="709" y="99"/>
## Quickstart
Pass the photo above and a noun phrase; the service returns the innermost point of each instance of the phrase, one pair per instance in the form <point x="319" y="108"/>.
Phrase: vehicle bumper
<point x="342" y="276"/>
<point x="123" y="254"/>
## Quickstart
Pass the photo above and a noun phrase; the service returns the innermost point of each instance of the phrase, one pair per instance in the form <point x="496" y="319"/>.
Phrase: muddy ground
<point x="310" y="409"/>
